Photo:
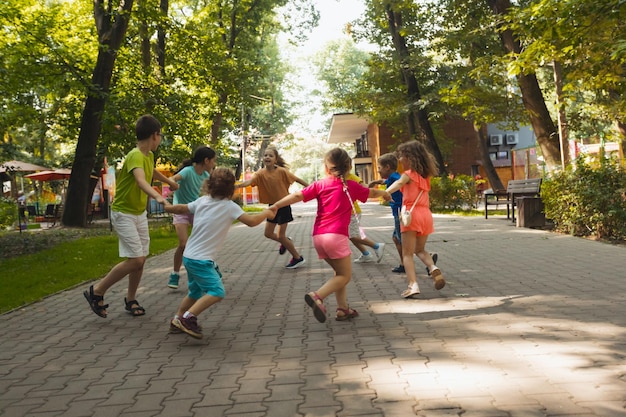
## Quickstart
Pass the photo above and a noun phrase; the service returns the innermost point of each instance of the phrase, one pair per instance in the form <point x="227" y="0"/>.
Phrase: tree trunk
<point x="532" y="96"/>
<point x="418" y="123"/>
<point x="490" y="170"/>
<point x="217" y="119"/>
<point x="111" y="31"/>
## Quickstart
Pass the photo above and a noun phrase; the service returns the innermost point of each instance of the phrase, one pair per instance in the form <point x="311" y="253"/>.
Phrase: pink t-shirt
<point x="333" y="205"/>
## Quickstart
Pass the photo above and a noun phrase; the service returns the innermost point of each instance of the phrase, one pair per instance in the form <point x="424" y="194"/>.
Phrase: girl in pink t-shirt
<point x="414" y="183"/>
<point x="334" y="197"/>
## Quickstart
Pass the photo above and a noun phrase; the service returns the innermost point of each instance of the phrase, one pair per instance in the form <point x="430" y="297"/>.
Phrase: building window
<point x="362" y="149"/>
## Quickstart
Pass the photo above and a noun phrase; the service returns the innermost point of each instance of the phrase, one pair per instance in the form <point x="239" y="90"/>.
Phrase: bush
<point x="8" y="212"/>
<point x="452" y="193"/>
<point x="587" y="199"/>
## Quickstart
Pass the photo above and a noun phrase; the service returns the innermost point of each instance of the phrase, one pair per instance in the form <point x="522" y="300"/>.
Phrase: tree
<point x="532" y="95"/>
<point x="111" y="24"/>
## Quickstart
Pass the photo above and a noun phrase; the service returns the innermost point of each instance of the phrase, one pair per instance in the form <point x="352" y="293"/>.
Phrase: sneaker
<point x="173" y="282"/>
<point x="282" y="249"/>
<point x="411" y="291"/>
<point x="173" y="328"/>
<point x="434" y="256"/>
<point x="440" y="282"/>
<point x="380" y="252"/>
<point x="176" y="330"/>
<point x="295" y="263"/>
<point x="189" y="325"/>
<point x="364" y="259"/>
<point x="399" y="269"/>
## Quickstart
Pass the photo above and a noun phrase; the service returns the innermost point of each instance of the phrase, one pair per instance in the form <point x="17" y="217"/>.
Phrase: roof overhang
<point x="346" y="127"/>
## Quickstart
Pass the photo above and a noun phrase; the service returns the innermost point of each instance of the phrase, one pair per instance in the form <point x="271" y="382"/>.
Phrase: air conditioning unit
<point x="511" y="139"/>
<point x="495" y="140"/>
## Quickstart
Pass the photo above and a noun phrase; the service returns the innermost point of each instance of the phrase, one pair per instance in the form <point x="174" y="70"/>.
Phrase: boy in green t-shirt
<point x="129" y="217"/>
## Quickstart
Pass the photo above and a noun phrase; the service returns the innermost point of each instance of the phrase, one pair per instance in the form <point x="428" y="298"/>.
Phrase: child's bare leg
<point x="269" y="231"/>
<point x="343" y="273"/>
<point x="358" y="244"/>
<point x="408" y="249"/>
<point x="435" y="273"/>
<point x="185" y="305"/>
<point x="286" y="242"/>
<point x="399" y="249"/>
<point x="422" y="254"/>
<point x="203" y="303"/>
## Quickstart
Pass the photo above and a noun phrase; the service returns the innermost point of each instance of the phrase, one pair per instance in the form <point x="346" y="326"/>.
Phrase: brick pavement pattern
<point x="530" y="323"/>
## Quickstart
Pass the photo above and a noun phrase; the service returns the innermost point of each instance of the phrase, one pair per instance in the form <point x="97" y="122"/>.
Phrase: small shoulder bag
<point x="405" y="215"/>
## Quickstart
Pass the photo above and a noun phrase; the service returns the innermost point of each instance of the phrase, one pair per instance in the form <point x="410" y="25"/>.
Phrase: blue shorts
<point x="396" y="229"/>
<point x="204" y="278"/>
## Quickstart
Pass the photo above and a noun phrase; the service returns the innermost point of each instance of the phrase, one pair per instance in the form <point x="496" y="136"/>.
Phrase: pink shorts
<point x="183" y="219"/>
<point x="332" y="246"/>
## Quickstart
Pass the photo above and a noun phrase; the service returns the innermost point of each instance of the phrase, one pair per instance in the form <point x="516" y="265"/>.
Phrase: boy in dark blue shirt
<point x="387" y="169"/>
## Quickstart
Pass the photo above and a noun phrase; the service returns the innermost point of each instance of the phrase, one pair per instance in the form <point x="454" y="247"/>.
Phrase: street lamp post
<point x="243" y="140"/>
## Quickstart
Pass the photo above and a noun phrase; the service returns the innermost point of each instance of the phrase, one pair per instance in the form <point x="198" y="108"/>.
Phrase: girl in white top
<point x="214" y="213"/>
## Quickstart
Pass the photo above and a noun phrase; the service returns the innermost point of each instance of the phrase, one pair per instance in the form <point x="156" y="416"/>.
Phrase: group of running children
<point x="203" y="198"/>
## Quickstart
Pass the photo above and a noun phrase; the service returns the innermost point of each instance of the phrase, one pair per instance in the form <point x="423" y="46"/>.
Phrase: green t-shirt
<point x="129" y="198"/>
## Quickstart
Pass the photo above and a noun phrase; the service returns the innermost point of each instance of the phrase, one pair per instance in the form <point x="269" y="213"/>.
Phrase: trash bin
<point x="530" y="212"/>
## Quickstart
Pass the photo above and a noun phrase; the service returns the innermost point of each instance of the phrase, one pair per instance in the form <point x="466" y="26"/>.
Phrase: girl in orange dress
<point x="414" y="183"/>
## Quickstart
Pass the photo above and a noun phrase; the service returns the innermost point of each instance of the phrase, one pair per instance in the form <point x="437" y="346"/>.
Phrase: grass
<point x="29" y="278"/>
<point x="36" y="265"/>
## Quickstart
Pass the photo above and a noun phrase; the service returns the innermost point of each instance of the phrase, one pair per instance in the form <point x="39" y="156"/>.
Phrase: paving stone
<point x="523" y="328"/>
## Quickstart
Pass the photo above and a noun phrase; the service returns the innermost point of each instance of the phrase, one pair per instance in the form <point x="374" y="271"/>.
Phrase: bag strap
<point x="416" y="200"/>
<point x="345" y="188"/>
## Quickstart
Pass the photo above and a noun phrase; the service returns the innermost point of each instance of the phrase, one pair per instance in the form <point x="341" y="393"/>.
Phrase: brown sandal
<point x="348" y="313"/>
<point x="317" y="304"/>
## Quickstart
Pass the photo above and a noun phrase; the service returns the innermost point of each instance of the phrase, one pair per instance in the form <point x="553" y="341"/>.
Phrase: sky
<point x="334" y="15"/>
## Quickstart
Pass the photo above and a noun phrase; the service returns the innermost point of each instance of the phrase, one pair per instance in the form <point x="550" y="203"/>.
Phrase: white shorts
<point x="133" y="234"/>
<point x="355" y="229"/>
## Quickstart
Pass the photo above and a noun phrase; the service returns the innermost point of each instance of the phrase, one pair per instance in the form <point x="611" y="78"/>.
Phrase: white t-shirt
<point x="211" y="221"/>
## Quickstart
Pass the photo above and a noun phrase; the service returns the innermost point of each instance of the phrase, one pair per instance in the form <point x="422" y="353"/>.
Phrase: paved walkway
<point x="530" y="324"/>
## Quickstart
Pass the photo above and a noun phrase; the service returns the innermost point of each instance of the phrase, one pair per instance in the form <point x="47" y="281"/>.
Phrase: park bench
<point x="514" y="190"/>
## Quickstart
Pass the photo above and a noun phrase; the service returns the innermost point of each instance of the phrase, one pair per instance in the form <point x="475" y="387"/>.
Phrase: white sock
<point x="187" y="315"/>
<point x="176" y="273"/>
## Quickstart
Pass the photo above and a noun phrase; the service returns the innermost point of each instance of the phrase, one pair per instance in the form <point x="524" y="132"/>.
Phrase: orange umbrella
<point x="57" y="174"/>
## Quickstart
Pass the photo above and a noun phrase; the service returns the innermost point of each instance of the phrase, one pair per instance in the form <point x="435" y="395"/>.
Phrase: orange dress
<point x="421" y="216"/>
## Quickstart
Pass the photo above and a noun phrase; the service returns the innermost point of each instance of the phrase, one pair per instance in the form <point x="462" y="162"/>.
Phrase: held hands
<point x="271" y="212"/>
<point x="174" y="186"/>
<point x="161" y="200"/>
<point x="387" y="196"/>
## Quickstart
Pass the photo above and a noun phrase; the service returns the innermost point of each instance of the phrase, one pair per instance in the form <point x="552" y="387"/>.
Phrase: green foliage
<point x="29" y="278"/>
<point x="452" y="192"/>
<point x="588" y="199"/>
<point x="8" y="212"/>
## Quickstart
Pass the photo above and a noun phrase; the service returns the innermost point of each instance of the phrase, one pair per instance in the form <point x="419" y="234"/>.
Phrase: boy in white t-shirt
<point x="214" y="213"/>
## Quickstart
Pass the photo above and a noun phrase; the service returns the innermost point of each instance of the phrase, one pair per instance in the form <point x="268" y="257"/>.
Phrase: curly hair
<point x="419" y="158"/>
<point x="220" y="185"/>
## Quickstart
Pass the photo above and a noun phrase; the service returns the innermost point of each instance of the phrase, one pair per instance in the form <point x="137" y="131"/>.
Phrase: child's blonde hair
<point x="220" y="185"/>
<point x="419" y="158"/>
